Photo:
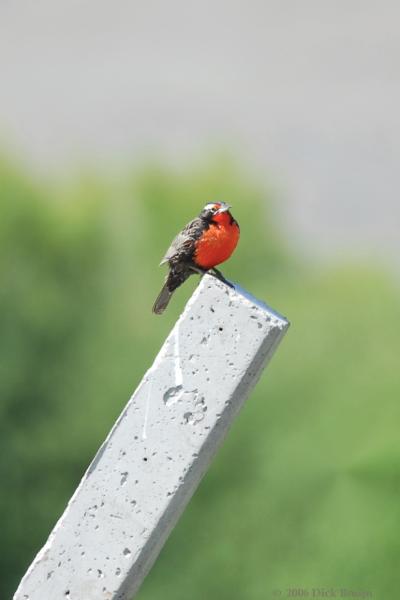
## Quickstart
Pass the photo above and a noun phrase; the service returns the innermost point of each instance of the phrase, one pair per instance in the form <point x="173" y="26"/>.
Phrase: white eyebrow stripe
<point x="210" y="206"/>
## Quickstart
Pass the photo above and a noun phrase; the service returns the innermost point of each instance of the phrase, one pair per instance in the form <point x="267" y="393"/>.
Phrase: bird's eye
<point x="211" y="207"/>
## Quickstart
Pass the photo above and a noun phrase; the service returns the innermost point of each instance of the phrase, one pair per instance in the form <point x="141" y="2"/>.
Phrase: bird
<point x="203" y="243"/>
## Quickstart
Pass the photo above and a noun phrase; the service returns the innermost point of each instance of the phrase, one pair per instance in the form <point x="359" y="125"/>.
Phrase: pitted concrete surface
<point x="153" y="459"/>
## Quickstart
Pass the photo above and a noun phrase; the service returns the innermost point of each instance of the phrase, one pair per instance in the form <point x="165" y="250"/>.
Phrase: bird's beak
<point x="224" y="208"/>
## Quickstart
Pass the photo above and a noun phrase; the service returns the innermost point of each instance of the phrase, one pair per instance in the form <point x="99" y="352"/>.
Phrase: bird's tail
<point x="174" y="280"/>
<point x="162" y="300"/>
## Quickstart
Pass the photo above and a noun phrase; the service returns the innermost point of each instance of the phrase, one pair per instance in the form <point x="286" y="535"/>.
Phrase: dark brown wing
<point x="183" y="245"/>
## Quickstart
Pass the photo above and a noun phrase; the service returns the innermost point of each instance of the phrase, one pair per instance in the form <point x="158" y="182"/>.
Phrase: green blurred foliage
<point x="305" y="490"/>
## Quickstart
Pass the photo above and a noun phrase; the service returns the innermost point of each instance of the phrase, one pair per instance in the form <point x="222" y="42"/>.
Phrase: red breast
<point x="217" y="243"/>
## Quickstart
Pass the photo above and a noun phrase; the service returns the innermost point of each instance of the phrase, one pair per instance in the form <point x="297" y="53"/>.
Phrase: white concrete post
<point x="144" y="474"/>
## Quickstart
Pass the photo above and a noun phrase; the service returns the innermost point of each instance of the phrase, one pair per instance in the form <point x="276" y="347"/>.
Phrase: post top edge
<point x="247" y="296"/>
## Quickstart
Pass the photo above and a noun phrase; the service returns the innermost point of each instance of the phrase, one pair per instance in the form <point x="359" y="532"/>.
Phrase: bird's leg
<point x="198" y="270"/>
<point x="216" y="273"/>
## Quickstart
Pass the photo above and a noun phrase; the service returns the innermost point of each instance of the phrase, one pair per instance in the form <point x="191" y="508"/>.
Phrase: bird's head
<point x="216" y="212"/>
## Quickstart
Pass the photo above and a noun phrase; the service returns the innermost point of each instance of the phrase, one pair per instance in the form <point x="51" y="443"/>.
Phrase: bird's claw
<point x="216" y="273"/>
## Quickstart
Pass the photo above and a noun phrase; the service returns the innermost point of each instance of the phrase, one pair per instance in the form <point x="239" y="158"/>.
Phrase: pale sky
<point x="306" y="92"/>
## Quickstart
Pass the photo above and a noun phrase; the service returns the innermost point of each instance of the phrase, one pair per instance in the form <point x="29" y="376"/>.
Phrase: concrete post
<point x="144" y="474"/>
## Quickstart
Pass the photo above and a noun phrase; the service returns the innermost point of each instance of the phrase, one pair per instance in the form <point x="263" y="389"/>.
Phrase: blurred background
<point x="118" y="122"/>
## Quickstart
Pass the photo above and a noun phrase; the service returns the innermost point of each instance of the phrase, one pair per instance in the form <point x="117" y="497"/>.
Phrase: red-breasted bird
<point x="204" y="243"/>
